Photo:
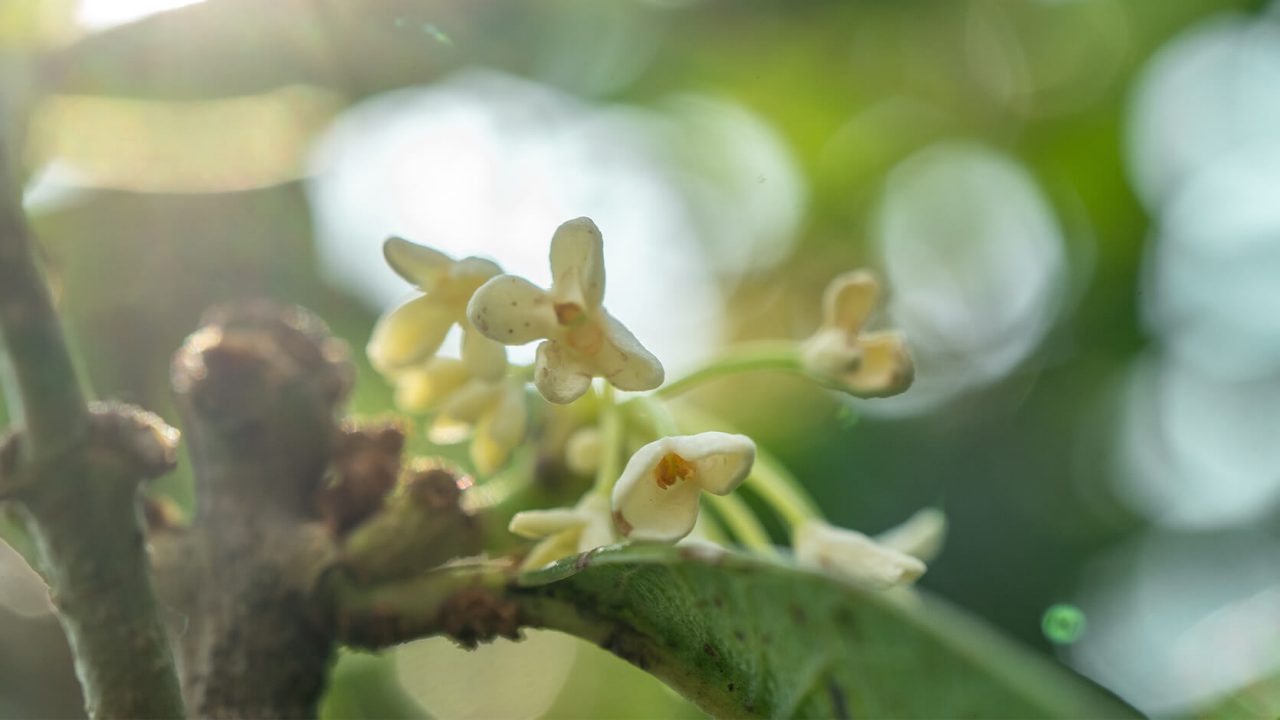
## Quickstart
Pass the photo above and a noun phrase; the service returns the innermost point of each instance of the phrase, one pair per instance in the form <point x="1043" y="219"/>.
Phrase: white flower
<point x="874" y="364"/>
<point x="565" y="531"/>
<point x="656" y="497"/>
<point x="852" y="556"/>
<point x="582" y="340"/>
<point x="413" y="332"/>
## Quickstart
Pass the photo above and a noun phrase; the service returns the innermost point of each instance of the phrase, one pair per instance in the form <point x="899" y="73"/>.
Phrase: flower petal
<point x="423" y="388"/>
<point x="849" y="300"/>
<point x="644" y="509"/>
<point x="552" y="549"/>
<point x="831" y="352"/>
<point x="484" y="358"/>
<point x="420" y="265"/>
<point x="409" y="334"/>
<point x="921" y="536"/>
<point x="536" y="524"/>
<point x="512" y="311"/>
<point x="577" y="263"/>
<point x="721" y="460"/>
<point x="624" y="362"/>
<point x="886" y="367"/>
<point x="853" y="556"/>
<point x="559" y="375"/>
<point x="471" y="401"/>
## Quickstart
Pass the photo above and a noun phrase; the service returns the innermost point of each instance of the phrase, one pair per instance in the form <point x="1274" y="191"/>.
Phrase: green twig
<point x="81" y="502"/>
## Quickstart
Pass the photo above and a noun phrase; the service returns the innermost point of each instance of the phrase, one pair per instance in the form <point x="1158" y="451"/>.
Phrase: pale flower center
<point x="582" y="334"/>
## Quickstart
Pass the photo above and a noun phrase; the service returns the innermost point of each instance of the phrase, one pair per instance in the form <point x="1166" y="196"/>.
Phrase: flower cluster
<point x="658" y="496"/>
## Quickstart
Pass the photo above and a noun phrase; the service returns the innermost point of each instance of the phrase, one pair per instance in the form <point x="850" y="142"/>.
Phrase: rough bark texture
<point x="75" y="470"/>
<point x="258" y="390"/>
<point x="287" y="498"/>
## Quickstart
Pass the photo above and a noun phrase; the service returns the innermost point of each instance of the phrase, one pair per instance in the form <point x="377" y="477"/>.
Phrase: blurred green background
<point x="1075" y="205"/>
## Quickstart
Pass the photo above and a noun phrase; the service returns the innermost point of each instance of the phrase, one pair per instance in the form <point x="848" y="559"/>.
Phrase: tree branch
<point x="77" y="474"/>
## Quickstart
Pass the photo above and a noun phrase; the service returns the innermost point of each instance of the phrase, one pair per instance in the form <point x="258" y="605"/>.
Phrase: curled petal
<point x="656" y="498"/>
<point x="624" y="362"/>
<point x="854" y="557"/>
<point x="921" y="536"/>
<point x="886" y="367"/>
<point x="500" y="430"/>
<point x="418" y="264"/>
<point x="831" y="352"/>
<point x="484" y="358"/>
<point x="470" y="402"/>
<point x="537" y="524"/>
<point x="577" y="263"/>
<point x="646" y="510"/>
<point x="552" y="549"/>
<point x="849" y="300"/>
<point x="512" y="311"/>
<point x="560" y="376"/>
<point x="721" y="460"/>
<point x="409" y="334"/>
<point x="423" y="388"/>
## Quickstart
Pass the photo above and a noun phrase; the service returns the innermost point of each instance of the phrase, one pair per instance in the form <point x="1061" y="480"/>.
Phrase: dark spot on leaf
<point x="797" y="614"/>
<point x="731" y="687"/>
<point x="719" y="601"/>
<point x="739" y="635"/>
<point x="709" y="650"/>
<point x="839" y="708"/>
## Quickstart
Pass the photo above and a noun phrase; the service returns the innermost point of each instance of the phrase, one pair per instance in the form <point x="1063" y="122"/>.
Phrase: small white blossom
<point x="873" y="364"/>
<point x="581" y="339"/>
<point x="852" y="556"/>
<point x="412" y="333"/>
<point x="656" y="498"/>
<point x="565" y="531"/>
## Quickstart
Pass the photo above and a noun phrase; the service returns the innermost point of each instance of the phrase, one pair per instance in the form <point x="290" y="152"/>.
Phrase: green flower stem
<point x="774" y="355"/>
<point x="611" y="438"/>
<point x="746" y="528"/>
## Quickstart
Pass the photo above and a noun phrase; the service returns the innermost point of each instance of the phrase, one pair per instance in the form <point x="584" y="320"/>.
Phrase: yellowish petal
<point x="624" y="362"/>
<point x="537" y="524"/>
<point x="559" y="374"/>
<point x="418" y="264"/>
<point x="485" y="358"/>
<point x="577" y="263"/>
<point x="852" y="556"/>
<point x="849" y="300"/>
<point x="512" y="311"/>
<point x="886" y="367"/>
<point x="921" y="536"/>
<point x="423" y="388"/>
<point x="409" y="334"/>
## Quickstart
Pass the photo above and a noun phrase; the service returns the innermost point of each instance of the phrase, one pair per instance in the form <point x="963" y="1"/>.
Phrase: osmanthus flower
<point x="656" y="498"/>
<point x="867" y="364"/>
<point x="581" y="340"/>
<point x="471" y="396"/>
<point x="412" y="333"/>
<point x="565" y="531"/>
<point x="896" y="557"/>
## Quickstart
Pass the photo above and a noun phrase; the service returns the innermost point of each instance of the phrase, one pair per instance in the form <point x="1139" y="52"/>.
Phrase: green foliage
<point x="741" y="636"/>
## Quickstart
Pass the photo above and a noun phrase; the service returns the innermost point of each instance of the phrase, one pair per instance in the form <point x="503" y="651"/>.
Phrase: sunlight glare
<point x="102" y="14"/>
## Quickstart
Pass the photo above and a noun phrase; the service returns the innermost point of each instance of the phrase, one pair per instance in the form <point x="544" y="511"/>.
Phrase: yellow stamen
<point x="671" y="469"/>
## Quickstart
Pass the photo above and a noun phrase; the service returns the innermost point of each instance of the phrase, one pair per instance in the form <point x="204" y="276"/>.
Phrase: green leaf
<point x="747" y="637"/>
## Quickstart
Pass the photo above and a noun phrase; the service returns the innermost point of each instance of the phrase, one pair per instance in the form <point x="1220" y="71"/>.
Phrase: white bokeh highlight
<point x="974" y="262"/>
<point x="489" y="165"/>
